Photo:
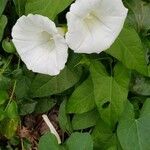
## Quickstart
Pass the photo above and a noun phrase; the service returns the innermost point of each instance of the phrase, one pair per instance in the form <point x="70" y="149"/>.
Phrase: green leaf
<point x="48" y="142"/>
<point x="12" y="110"/>
<point x="8" y="46"/>
<point x="27" y="144"/>
<point x="14" y="141"/>
<point x="103" y="136"/>
<point x="3" y="97"/>
<point x="2" y="114"/>
<point x="138" y="14"/>
<point x="141" y="86"/>
<point x="82" y="99"/>
<point x="49" y="8"/>
<point x="44" y="85"/>
<point x="137" y="102"/>
<point x="44" y="105"/>
<point x="8" y="127"/>
<point x="2" y="6"/>
<point x="110" y="91"/>
<point x="129" y="50"/>
<point x="85" y="120"/>
<point x="3" y="22"/>
<point x="27" y="106"/>
<point x="20" y="6"/>
<point x="4" y="82"/>
<point x="22" y="87"/>
<point x="115" y="148"/>
<point x="64" y="119"/>
<point x="134" y="133"/>
<point x="79" y="141"/>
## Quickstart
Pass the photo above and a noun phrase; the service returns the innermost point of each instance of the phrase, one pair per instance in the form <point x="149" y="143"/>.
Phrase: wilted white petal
<point x="39" y="44"/>
<point x="51" y="127"/>
<point x="93" y="25"/>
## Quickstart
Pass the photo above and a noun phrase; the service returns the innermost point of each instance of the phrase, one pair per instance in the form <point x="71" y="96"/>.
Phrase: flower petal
<point x="39" y="44"/>
<point x="94" y="25"/>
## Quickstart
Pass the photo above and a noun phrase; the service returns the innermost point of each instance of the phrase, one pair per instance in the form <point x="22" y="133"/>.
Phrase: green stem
<point x="6" y="64"/>
<point x="14" y="87"/>
<point x="12" y="94"/>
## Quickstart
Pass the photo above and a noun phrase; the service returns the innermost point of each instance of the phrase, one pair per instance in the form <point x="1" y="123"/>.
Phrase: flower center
<point x="47" y="40"/>
<point x="46" y="36"/>
<point x="89" y="16"/>
<point x="91" y="20"/>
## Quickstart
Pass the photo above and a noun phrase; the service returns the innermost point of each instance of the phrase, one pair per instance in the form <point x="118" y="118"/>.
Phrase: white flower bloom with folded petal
<point x="39" y="44"/>
<point x="93" y="25"/>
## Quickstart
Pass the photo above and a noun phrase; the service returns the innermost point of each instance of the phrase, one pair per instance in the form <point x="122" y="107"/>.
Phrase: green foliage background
<point x="103" y="99"/>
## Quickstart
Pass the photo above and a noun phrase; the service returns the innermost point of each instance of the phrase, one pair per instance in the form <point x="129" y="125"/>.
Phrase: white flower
<point x="39" y="44"/>
<point x="93" y="25"/>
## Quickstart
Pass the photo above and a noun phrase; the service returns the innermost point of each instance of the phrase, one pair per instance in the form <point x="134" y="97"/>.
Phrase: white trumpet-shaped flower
<point x="93" y="25"/>
<point x="40" y="45"/>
